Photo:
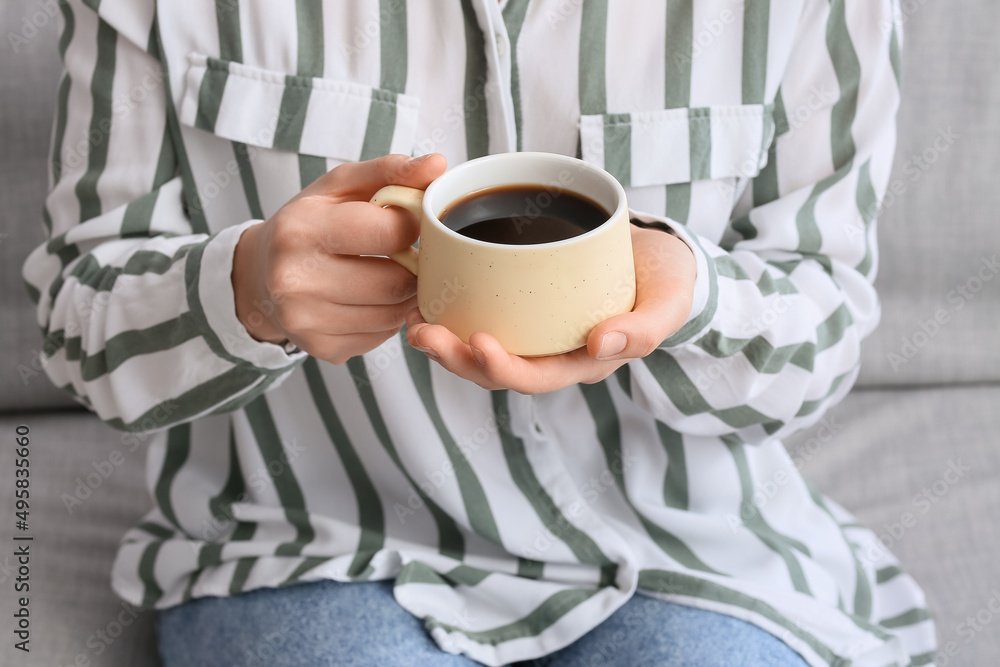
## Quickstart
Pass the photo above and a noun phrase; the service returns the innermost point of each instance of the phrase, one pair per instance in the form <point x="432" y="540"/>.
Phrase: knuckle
<point x="648" y="346"/>
<point x="392" y="168"/>
<point x="382" y="236"/>
<point x="273" y="284"/>
<point x="642" y="344"/>
<point x="398" y="316"/>
<point x="281" y="281"/>
<point x="384" y="168"/>
<point x="391" y="235"/>
<point x="404" y="287"/>
<point x="286" y="233"/>
<point x="293" y="320"/>
<point x="339" y="173"/>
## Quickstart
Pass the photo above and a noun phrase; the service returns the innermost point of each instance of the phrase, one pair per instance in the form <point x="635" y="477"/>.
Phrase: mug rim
<point x="570" y="162"/>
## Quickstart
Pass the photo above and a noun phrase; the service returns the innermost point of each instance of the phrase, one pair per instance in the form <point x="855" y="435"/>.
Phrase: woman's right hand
<point x="305" y="275"/>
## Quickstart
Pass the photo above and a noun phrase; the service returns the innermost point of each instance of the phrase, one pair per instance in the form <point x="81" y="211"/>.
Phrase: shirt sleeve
<point x="783" y="301"/>
<point x="135" y="304"/>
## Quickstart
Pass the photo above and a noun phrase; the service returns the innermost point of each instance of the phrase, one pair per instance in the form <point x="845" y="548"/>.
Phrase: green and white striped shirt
<point x="763" y="133"/>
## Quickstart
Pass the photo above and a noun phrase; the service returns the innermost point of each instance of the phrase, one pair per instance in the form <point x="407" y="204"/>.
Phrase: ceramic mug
<point x="534" y="299"/>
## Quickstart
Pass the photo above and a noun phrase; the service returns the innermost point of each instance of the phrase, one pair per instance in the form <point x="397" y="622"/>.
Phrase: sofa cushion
<point x="71" y="553"/>
<point x="920" y="468"/>
<point x="941" y="234"/>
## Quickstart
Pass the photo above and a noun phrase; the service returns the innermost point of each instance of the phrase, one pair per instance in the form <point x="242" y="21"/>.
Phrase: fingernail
<point x="479" y="357"/>
<point x="415" y="160"/>
<point x="613" y="343"/>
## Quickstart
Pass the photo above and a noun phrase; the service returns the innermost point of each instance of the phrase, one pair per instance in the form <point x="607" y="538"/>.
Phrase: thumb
<point x="361" y="180"/>
<point x="658" y="313"/>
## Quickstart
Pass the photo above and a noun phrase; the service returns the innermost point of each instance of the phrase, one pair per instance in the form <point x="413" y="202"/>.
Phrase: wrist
<point x="253" y="304"/>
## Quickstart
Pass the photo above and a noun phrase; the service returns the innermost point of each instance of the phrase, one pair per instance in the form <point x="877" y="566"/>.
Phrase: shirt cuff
<point x="706" y="292"/>
<point x="213" y="287"/>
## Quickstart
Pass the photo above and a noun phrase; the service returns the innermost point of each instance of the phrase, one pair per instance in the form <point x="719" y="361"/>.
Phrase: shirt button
<point x="501" y="46"/>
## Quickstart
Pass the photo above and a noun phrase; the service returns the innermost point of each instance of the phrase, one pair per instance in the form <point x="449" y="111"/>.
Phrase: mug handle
<point x="412" y="200"/>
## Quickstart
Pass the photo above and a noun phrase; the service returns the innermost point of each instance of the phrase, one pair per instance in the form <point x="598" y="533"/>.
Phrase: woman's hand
<point x="302" y="276"/>
<point x="665" y="278"/>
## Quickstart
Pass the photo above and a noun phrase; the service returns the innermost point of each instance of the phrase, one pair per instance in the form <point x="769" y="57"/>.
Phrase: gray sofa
<point x="914" y="450"/>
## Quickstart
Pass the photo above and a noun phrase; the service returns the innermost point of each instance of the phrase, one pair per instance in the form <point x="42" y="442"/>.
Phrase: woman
<point x="213" y="280"/>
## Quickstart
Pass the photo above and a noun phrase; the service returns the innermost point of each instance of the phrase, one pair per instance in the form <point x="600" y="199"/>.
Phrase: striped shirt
<point x="761" y="132"/>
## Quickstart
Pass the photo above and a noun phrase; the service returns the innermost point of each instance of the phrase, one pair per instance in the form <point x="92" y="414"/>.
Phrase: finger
<point x="485" y="362"/>
<point x="448" y="350"/>
<point x="533" y="375"/>
<point x="665" y="274"/>
<point x="413" y="318"/>
<point x="352" y="228"/>
<point x="345" y="279"/>
<point x="361" y="180"/>
<point x="366" y="281"/>
<point x="334" y="319"/>
<point x="660" y="310"/>
<point x="338" y="349"/>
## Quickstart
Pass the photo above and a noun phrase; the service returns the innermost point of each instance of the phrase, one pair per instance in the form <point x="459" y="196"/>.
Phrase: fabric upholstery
<point x="876" y="452"/>
<point x="935" y="235"/>
<point x="71" y="554"/>
<point x="29" y="75"/>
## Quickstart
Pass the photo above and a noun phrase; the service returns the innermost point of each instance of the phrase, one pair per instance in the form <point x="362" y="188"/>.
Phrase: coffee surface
<point x="523" y="215"/>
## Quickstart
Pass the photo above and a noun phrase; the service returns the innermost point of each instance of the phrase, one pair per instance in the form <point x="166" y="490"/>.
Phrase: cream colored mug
<point x="534" y="299"/>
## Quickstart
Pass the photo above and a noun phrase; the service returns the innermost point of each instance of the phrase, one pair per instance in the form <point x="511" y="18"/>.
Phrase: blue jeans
<point x="330" y="623"/>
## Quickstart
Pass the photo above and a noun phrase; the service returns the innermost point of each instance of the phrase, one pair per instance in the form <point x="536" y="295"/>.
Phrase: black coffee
<point x="523" y="215"/>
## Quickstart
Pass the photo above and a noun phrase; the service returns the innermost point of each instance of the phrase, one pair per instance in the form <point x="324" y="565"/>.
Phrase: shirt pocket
<point x="682" y="145"/>
<point x="338" y="120"/>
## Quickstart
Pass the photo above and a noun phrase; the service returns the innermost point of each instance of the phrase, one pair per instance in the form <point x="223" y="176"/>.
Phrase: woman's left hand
<point x="665" y="279"/>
